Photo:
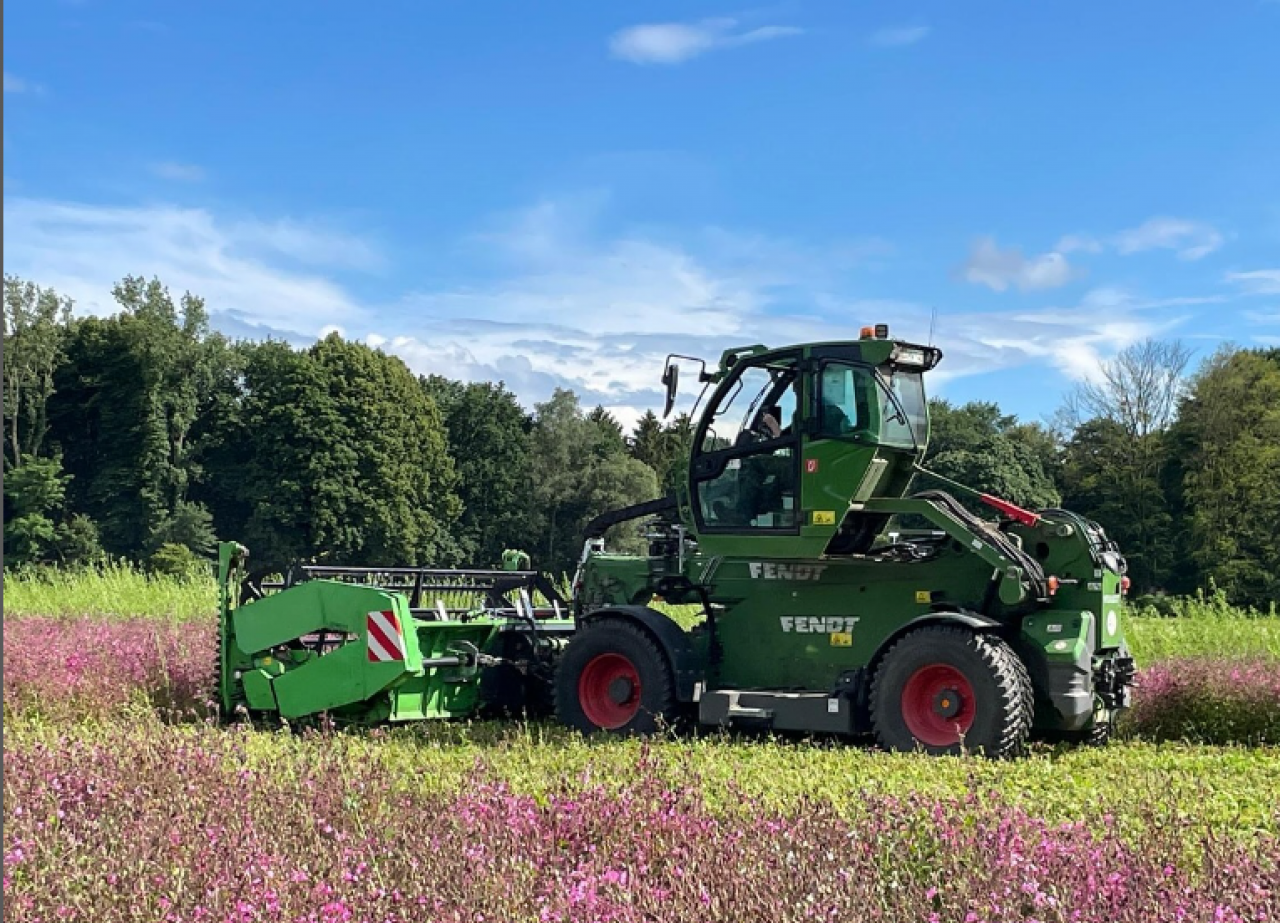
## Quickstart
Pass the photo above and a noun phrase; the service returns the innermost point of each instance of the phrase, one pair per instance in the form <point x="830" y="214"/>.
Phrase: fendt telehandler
<point x="828" y="598"/>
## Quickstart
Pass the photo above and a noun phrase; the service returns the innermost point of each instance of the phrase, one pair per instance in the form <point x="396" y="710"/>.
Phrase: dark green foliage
<point x="127" y="398"/>
<point x="176" y="560"/>
<point x="979" y="446"/>
<point x="339" y="452"/>
<point x="610" y="429"/>
<point x="1116" y="478"/>
<point x="680" y="433"/>
<point x="38" y="527"/>
<point x="392" y="499"/>
<point x="275" y="448"/>
<point x="580" y="469"/>
<point x="489" y="443"/>
<point x="32" y="491"/>
<point x="34" y="325"/>
<point x="1227" y="443"/>
<point x="649" y="443"/>
<point x="190" y="526"/>
<point x="1116" y="464"/>
<point x="664" y="449"/>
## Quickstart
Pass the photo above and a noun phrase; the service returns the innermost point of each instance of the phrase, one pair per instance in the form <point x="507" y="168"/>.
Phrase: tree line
<point x="146" y="435"/>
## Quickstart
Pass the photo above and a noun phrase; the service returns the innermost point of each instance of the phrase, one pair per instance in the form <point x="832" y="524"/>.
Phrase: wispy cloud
<point x="899" y="35"/>
<point x="599" y="313"/>
<point x="1082" y="243"/>
<point x="241" y="268"/>
<point x="674" y="42"/>
<point x="1001" y="269"/>
<point x="15" y="84"/>
<point x="558" y="302"/>
<point x="1192" y="239"/>
<point x="181" y="172"/>
<point x="1257" y="282"/>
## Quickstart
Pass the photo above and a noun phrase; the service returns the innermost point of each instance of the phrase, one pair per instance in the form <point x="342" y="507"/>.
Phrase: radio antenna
<point x="933" y="319"/>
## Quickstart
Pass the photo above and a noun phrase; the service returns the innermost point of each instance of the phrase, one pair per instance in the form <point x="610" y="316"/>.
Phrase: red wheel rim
<point x="937" y="704"/>
<point x="609" y="690"/>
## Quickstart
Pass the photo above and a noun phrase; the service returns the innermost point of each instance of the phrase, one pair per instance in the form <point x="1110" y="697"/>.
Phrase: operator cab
<point x="792" y="436"/>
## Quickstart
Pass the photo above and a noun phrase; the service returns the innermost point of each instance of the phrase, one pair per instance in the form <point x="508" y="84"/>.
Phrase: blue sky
<point x="562" y="193"/>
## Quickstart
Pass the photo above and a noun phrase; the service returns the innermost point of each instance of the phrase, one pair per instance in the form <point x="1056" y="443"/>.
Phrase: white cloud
<point x="83" y="250"/>
<point x="182" y="172"/>
<point x="1192" y="239"/>
<point x="15" y="84"/>
<point x="1257" y="282"/>
<point x="309" y="243"/>
<point x="673" y="42"/>
<point x="898" y="36"/>
<point x="999" y="269"/>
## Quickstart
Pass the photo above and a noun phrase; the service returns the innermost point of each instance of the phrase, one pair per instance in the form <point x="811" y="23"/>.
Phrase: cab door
<point x="745" y="470"/>
<point x="847" y="458"/>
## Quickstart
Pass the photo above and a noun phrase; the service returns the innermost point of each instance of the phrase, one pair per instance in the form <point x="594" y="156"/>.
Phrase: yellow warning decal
<point x="841" y="639"/>
<point x="824" y="517"/>
<point x="924" y="596"/>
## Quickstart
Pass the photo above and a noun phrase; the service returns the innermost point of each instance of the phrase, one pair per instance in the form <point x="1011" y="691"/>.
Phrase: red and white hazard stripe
<point x="385" y="640"/>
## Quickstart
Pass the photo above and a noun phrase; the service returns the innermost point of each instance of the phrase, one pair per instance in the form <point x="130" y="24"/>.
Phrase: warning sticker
<point x="824" y="517"/>
<point x="386" y="643"/>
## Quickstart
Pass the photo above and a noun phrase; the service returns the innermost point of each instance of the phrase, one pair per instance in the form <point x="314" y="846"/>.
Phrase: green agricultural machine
<point x="826" y="597"/>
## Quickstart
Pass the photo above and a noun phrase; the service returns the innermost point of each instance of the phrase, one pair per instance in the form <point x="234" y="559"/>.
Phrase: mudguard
<point x="971" y="620"/>
<point x="686" y="665"/>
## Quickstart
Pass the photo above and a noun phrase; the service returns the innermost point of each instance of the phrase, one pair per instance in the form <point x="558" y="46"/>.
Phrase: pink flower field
<point x="159" y="827"/>
<point x="68" y="668"/>
<point x="169" y="820"/>
<point x="1210" y="700"/>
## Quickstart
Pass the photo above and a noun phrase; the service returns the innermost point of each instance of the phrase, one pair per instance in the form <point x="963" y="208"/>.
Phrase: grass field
<point x="122" y="803"/>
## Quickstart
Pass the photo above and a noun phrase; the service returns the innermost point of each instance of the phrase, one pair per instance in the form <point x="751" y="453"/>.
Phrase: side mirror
<point x="670" y="378"/>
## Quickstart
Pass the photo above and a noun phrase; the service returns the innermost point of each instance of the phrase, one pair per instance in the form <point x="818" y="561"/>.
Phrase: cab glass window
<point x="755" y="491"/>
<point x="906" y="422"/>
<point x="842" y="399"/>
<point x="759" y="407"/>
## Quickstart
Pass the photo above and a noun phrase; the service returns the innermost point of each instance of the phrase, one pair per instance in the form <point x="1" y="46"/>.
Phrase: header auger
<point x="831" y="600"/>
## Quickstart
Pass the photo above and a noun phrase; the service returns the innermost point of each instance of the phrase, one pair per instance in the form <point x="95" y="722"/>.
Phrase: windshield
<point x="912" y="429"/>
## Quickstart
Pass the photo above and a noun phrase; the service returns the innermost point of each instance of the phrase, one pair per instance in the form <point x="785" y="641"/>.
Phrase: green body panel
<point x="446" y="691"/>
<point x="301" y="683"/>
<point x="313" y="606"/>
<point x="798" y="625"/>
<point x="617" y="579"/>
<point x="1060" y="635"/>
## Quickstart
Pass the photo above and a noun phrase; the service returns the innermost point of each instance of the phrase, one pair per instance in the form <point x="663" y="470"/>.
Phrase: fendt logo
<point x="818" y="624"/>
<point x="787" y="571"/>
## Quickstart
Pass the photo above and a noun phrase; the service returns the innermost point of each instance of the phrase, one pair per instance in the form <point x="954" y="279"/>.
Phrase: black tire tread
<point x="567" y="708"/>
<point x="1013" y="683"/>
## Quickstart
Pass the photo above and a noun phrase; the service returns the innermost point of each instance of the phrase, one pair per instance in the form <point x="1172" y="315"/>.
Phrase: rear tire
<point x="940" y="683"/>
<point x="613" y="677"/>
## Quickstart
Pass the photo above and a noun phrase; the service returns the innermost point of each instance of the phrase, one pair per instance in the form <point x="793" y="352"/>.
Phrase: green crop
<point x="118" y="590"/>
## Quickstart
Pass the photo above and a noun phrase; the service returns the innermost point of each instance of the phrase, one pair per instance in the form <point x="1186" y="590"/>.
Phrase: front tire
<point x="613" y="677"/>
<point x="948" y="690"/>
